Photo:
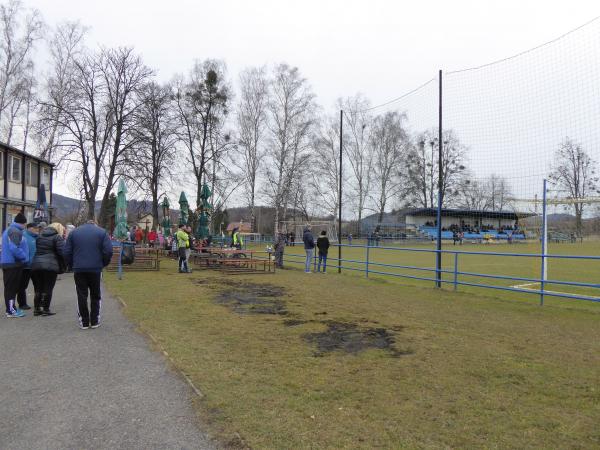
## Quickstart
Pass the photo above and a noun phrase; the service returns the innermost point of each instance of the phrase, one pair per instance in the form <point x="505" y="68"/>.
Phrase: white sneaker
<point x="95" y="326"/>
<point x="82" y="327"/>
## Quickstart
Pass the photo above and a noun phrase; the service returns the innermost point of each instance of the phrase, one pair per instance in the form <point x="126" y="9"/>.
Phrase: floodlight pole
<point x="544" y="274"/>
<point x="438" y="259"/>
<point x="340" y="197"/>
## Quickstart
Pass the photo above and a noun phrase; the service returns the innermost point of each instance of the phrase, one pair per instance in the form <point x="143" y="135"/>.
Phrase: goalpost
<point x="297" y="227"/>
<point x="544" y="202"/>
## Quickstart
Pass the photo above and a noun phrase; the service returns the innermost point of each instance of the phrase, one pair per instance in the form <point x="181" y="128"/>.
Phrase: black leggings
<point x="43" y="283"/>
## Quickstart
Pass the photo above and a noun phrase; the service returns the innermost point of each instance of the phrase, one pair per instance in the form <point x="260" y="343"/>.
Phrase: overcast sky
<point x="380" y="48"/>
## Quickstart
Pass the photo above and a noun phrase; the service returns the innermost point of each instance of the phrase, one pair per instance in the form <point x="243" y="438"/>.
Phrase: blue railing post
<point x="120" y="269"/>
<point x="367" y="263"/>
<point x="455" y="270"/>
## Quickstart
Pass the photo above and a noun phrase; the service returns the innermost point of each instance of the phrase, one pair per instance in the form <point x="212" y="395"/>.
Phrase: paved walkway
<point x="66" y="388"/>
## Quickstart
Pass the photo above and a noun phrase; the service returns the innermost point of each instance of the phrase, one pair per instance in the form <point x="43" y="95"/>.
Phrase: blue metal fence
<point x="369" y="266"/>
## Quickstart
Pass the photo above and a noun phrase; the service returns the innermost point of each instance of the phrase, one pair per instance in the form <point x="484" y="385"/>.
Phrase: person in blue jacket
<point x="309" y="247"/>
<point x="30" y="235"/>
<point x="15" y="254"/>
<point x="87" y="251"/>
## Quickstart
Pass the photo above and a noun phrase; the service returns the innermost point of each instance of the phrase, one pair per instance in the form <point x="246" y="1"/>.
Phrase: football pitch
<point x="484" y="262"/>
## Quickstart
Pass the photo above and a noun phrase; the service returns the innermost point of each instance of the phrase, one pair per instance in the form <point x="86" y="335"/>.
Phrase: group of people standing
<point x="321" y="243"/>
<point x="39" y="253"/>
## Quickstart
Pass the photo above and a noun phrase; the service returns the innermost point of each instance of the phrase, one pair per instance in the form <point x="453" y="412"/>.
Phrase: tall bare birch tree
<point x="291" y="110"/>
<point x="251" y="127"/>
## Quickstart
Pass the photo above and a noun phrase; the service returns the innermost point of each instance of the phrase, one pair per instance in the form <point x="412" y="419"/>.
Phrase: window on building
<point x="46" y="177"/>
<point x="31" y="173"/>
<point x="15" y="169"/>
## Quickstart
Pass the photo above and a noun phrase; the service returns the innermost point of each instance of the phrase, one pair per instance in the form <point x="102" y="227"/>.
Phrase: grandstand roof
<point x="447" y="212"/>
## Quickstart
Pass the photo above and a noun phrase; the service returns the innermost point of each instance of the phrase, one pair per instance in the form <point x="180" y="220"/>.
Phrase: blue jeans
<point x="323" y="259"/>
<point x="309" y="257"/>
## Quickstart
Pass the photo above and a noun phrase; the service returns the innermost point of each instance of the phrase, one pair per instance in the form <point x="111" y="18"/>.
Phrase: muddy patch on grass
<point x="351" y="338"/>
<point x="251" y="298"/>
<point x="294" y="322"/>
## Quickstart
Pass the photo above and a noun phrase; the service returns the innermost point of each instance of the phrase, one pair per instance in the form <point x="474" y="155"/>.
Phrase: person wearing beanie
<point x="15" y="254"/>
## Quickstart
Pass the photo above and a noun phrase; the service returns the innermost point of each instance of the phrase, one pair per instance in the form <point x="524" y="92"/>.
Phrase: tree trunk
<point x="155" y="207"/>
<point x="91" y="208"/>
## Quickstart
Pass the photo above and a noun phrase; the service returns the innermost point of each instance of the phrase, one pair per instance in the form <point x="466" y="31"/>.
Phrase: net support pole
<point x="438" y="255"/>
<point x="340" y="194"/>
<point x="544" y="262"/>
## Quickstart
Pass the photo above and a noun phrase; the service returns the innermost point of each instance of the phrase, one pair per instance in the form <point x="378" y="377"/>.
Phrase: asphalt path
<point x="66" y="388"/>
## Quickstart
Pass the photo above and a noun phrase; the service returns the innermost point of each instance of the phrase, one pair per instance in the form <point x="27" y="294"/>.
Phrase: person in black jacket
<point x="323" y="246"/>
<point x="88" y="250"/>
<point x="47" y="264"/>
<point x="309" y="247"/>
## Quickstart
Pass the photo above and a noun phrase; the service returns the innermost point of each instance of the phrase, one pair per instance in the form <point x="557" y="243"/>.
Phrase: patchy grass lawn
<point x="291" y="360"/>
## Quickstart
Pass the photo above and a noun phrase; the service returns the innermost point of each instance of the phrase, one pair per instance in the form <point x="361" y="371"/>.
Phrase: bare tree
<point x="473" y="194"/>
<point x="251" y="127"/>
<point x="66" y="47"/>
<point x="326" y="176"/>
<point x="291" y="110"/>
<point x="86" y="126"/>
<point x="201" y="101"/>
<point x="124" y="75"/>
<point x="389" y="142"/>
<point x="156" y="136"/>
<point x="97" y="119"/>
<point x="498" y="193"/>
<point x="574" y="173"/>
<point x="422" y="169"/>
<point x="19" y="29"/>
<point x="358" y="122"/>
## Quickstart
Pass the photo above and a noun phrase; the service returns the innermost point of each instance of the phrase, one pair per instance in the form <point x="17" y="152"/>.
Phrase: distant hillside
<point x="67" y="208"/>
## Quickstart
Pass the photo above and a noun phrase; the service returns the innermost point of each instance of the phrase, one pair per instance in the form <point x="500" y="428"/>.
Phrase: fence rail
<point x="457" y="276"/>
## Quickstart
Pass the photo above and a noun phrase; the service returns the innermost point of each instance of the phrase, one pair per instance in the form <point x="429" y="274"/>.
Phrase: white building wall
<point x="14" y="190"/>
<point x="31" y="194"/>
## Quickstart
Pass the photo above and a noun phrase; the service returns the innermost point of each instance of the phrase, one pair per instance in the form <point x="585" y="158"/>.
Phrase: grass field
<point x="583" y="271"/>
<point x="292" y="361"/>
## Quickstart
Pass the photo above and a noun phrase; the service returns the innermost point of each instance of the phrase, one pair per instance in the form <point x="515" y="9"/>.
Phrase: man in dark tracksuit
<point x="87" y="251"/>
<point x="15" y="254"/>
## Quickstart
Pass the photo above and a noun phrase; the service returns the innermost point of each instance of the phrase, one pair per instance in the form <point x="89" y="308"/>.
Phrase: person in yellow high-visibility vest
<point x="236" y="239"/>
<point x="183" y="242"/>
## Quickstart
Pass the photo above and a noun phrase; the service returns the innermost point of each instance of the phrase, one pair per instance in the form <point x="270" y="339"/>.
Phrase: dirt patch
<point x="250" y="298"/>
<point x="294" y="322"/>
<point x="350" y="338"/>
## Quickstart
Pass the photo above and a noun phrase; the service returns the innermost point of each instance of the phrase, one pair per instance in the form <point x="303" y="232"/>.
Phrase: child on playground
<point x="323" y="246"/>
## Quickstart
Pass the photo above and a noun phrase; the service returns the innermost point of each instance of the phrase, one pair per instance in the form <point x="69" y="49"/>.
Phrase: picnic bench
<point x="232" y="261"/>
<point x="146" y="259"/>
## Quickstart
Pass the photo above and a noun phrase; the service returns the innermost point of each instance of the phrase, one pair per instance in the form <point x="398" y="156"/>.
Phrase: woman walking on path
<point x="47" y="264"/>
<point x="323" y="246"/>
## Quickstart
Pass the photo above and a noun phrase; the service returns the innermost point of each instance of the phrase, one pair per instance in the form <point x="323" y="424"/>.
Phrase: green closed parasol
<point x="202" y="232"/>
<point x="121" y="212"/>
<point x="166" y="222"/>
<point x="184" y="209"/>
